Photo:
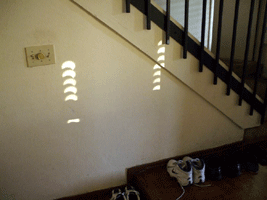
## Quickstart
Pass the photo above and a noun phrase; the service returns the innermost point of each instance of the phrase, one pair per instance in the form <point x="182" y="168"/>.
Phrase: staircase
<point x="150" y="29"/>
<point x="181" y="36"/>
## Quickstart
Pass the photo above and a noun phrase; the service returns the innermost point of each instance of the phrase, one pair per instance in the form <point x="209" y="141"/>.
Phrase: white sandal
<point x="131" y="193"/>
<point x="117" y="195"/>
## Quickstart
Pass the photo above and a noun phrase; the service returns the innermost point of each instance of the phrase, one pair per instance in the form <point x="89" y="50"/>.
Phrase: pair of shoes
<point x="198" y="166"/>
<point x="187" y="171"/>
<point x="230" y="165"/>
<point x="239" y="160"/>
<point x="129" y="194"/>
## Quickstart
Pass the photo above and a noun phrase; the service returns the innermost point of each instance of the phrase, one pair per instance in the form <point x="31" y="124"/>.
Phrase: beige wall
<point x="123" y="122"/>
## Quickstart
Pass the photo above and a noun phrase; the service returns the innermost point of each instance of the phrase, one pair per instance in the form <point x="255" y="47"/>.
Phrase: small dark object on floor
<point x="260" y="153"/>
<point x="213" y="168"/>
<point x="249" y="162"/>
<point x="231" y="164"/>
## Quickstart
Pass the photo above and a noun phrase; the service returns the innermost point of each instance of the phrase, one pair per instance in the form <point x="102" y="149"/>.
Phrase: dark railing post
<point x="185" y="43"/>
<point x="232" y="49"/>
<point x="246" y="52"/>
<point x="148" y="14"/>
<point x="257" y="29"/>
<point x="203" y="28"/>
<point x="259" y="62"/>
<point x="128" y="2"/>
<point x="264" y="108"/>
<point x="168" y="22"/>
<point x="219" y="33"/>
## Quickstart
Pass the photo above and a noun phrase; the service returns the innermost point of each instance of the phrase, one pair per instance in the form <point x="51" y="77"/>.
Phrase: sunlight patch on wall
<point x="70" y="83"/>
<point x="71" y="89"/>
<point x="70" y="73"/>
<point x="72" y="97"/>
<point x="157" y="68"/>
<point x="73" y="121"/>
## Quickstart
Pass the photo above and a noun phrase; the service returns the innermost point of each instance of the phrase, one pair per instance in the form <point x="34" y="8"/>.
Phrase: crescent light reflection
<point x="68" y="64"/>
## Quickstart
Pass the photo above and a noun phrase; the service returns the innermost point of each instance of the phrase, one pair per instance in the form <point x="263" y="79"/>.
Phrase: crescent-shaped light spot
<point x="73" y="121"/>
<point x="161" y="58"/>
<point x="157" y="87"/>
<point x="156" y="67"/>
<point x="161" y="50"/>
<point x="71" y="89"/>
<point x="68" y="64"/>
<point x="71" y="97"/>
<point x="70" y="73"/>
<point x="157" y="73"/>
<point x="157" y="80"/>
<point x="70" y="81"/>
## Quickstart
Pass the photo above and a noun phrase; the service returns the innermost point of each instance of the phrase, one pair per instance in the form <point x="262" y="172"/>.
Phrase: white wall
<point x="123" y="122"/>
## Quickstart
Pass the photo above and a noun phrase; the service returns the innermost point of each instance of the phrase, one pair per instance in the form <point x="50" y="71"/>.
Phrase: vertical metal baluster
<point x="259" y="62"/>
<point x="148" y="14"/>
<point x="202" y="35"/>
<point x="128" y="2"/>
<point x="246" y="52"/>
<point x="185" y="41"/>
<point x="264" y="108"/>
<point x="218" y="43"/>
<point x="257" y="29"/>
<point x="232" y="49"/>
<point x="168" y="22"/>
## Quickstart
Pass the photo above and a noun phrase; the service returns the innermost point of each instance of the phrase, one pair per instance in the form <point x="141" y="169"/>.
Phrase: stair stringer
<point x="131" y="27"/>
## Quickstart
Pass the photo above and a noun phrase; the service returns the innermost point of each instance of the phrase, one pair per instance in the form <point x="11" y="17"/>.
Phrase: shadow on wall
<point x="70" y="83"/>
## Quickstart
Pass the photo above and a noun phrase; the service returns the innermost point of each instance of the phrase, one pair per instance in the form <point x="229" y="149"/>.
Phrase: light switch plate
<point x="40" y="55"/>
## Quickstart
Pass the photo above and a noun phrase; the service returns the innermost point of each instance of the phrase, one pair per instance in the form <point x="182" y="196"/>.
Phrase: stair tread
<point x="156" y="184"/>
<point x="238" y="67"/>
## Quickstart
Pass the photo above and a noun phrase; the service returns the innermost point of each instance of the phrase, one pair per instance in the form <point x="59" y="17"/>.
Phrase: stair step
<point x="250" y="74"/>
<point x="239" y="64"/>
<point x="256" y="134"/>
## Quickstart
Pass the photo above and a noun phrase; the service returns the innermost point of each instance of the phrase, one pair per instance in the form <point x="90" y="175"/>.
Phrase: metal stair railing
<point x="189" y="45"/>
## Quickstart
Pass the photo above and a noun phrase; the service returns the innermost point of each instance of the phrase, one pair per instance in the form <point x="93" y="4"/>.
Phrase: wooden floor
<point x="159" y="186"/>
